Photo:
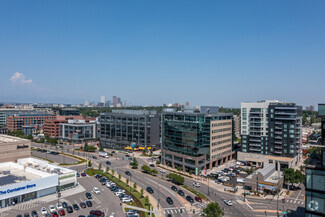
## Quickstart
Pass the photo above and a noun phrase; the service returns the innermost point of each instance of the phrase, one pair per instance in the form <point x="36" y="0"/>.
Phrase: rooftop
<point x="7" y="139"/>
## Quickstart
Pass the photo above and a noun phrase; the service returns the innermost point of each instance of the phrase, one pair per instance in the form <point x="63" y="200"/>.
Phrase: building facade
<point x="195" y="139"/>
<point x="271" y="128"/>
<point x="122" y="128"/>
<point x="78" y="131"/>
<point x="36" y="119"/>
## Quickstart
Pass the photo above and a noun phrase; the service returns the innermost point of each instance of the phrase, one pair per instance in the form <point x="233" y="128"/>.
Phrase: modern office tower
<point x="36" y="119"/>
<point x="272" y="128"/>
<point x="114" y="101"/>
<point x="86" y="103"/>
<point x="194" y="139"/>
<point x="102" y="100"/>
<point x="321" y="114"/>
<point x="4" y="113"/>
<point x="77" y="131"/>
<point x="122" y="128"/>
<point x="187" y="104"/>
<point x="68" y="111"/>
<point x="236" y="125"/>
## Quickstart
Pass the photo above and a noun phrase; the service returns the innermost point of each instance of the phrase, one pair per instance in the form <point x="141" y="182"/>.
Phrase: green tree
<point x="135" y="186"/>
<point x="154" y="172"/>
<point x="179" y="169"/>
<point x="289" y="176"/>
<point x="101" y="148"/>
<point x="119" y="177"/>
<point x="213" y="209"/>
<point x="99" y="166"/>
<point x="299" y="177"/>
<point x="177" y="179"/>
<point x="127" y="181"/>
<point x="134" y="163"/>
<point x="158" y="162"/>
<point x="141" y="192"/>
<point x="146" y="168"/>
<point x="107" y="169"/>
<point x="113" y="171"/>
<point x="89" y="164"/>
<point x="146" y="200"/>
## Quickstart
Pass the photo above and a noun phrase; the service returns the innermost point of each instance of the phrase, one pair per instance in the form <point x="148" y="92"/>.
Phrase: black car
<point x="97" y="176"/>
<point x="26" y="214"/>
<point x="81" y="216"/>
<point x="180" y="192"/>
<point x="128" y="173"/>
<point x="108" y="163"/>
<point x="113" y="152"/>
<point x="89" y="203"/>
<point x="94" y="157"/>
<point x="19" y="215"/>
<point x="83" y="205"/>
<point x="150" y="190"/>
<point x="174" y="188"/>
<point x="127" y="155"/>
<point x="169" y="200"/>
<point x="34" y="213"/>
<point x="169" y="215"/>
<point x="64" y="205"/>
<point x="69" y="209"/>
<point x="88" y="195"/>
<point x="189" y="199"/>
<point x="76" y="207"/>
<point x="152" y="165"/>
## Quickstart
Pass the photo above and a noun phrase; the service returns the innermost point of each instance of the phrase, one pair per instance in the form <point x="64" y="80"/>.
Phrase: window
<point x="292" y="136"/>
<point x="244" y="123"/>
<point x="285" y="150"/>
<point x="285" y="135"/>
<point x="244" y="114"/>
<point x="285" y="125"/>
<point x="272" y="115"/>
<point x="291" y="131"/>
<point x="244" y="110"/>
<point x="292" y="151"/>
<point x="272" y="110"/>
<point x="245" y="132"/>
<point x="292" y="126"/>
<point x="244" y="127"/>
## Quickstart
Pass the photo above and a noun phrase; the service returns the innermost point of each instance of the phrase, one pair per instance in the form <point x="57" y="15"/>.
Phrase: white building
<point x="102" y="99"/>
<point x="31" y="178"/>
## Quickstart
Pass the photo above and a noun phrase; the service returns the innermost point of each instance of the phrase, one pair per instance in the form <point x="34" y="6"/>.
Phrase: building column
<point x="183" y="164"/>
<point x="164" y="160"/>
<point x="173" y="165"/>
<point x="278" y="165"/>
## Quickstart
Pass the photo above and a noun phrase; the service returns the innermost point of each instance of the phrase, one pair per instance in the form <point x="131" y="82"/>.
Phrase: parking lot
<point x="106" y="201"/>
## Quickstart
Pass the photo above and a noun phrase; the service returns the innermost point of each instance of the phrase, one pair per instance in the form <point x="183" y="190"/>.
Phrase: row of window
<point x="221" y="142"/>
<point x="221" y="136"/>
<point x="221" y="130"/>
<point x="221" y="124"/>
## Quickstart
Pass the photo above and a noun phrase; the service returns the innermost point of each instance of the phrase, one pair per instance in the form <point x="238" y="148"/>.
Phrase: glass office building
<point x="188" y="141"/>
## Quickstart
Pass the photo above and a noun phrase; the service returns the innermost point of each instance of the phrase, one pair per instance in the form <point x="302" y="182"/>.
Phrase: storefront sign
<point x="8" y="191"/>
<point x="22" y="146"/>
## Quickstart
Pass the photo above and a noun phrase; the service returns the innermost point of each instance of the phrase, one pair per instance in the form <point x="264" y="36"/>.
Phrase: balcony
<point x="278" y="122"/>
<point x="277" y="142"/>
<point x="255" y="145"/>
<point x="278" y="137"/>
<point x="278" y="146"/>
<point x="278" y="128"/>
<point x="255" y="149"/>
<point x="278" y="152"/>
<point x="278" y="132"/>
<point x="254" y="135"/>
<point x="254" y="140"/>
<point x="285" y="113"/>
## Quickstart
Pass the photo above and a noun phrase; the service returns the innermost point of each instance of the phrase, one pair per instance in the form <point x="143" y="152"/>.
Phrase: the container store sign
<point x="11" y="190"/>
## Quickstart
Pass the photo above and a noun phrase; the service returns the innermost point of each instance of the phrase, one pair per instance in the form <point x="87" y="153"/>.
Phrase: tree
<point x="113" y="171"/>
<point x="289" y="176"/>
<point x="89" y="164"/>
<point x="154" y="172"/>
<point x="99" y="166"/>
<point x="177" y="179"/>
<point x="213" y="209"/>
<point x="127" y="181"/>
<point x="146" y="169"/>
<point x="146" y="200"/>
<point x="158" y="162"/>
<point x="299" y="177"/>
<point x="134" y="163"/>
<point x="119" y="177"/>
<point x="101" y="148"/>
<point x="179" y="169"/>
<point x="141" y="192"/>
<point x="135" y="186"/>
<point x="107" y="169"/>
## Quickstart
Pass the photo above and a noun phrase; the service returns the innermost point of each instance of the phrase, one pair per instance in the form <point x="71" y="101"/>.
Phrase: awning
<point x="128" y="148"/>
<point x="141" y="148"/>
<point x="148" y="147"/>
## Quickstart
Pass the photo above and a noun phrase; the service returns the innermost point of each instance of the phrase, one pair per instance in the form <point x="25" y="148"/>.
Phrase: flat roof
<point x="288" y="159"/>
<point x="7" y="139"/>
<point x="274" y="177"/>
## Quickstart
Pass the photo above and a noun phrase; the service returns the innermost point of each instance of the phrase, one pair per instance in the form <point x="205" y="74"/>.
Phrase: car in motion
<point x="228" y="202"/>
<point x="108" y="163"/>
<point x="189" y="199"/>
<point x="174" y="188"/>
<point x="196" y="184"/>
<point x="180" y="192"/>
<point x="96" y="190"/>
<point x="128" y="173"/>
<point x="150" y="190"/>
<point x="169" y="200"/>
<point x="83" y="174"/>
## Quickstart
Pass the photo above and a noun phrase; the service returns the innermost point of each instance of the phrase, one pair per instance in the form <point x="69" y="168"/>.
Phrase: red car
<point x="61" y="212"/>
<point x="97" y="213"/>
<point x="55" y="214"/>
<point x="197" y="198"/>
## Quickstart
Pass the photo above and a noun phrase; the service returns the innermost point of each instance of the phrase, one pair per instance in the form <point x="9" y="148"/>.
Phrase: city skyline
<point x="152" y="53"/>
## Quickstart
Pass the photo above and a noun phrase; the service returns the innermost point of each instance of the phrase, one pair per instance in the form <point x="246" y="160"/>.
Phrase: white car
<point x="196" y="184"/>
<point x="162" y="171"/>
<point x="112" y="215"/>
<point x="44" y="211"/>
<point x="59" y="206"/>
<point x="118" y="193"/>
<point x="96" y="190"/>
<point x="228" y="202"/>
<point x="126" y="200"/>
<point x="52" y="208"/>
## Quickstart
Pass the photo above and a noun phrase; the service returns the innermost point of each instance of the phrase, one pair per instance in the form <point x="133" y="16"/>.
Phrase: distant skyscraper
<point x="119" y="100"/>
<point x="115" y="101"/>
<point x="102" y="99"/>
<point x="187" y="104"/>
<point x="86" y="103"/>
<point x="126" y="103"/>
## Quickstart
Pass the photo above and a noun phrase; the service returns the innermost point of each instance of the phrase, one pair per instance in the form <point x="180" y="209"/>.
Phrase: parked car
<point x="61" y="212"/>
<point x="150" y="190"/>
<point x="26" y="214"/>
<point x="65" y="205"/>
<point x="174" y="188"/>
<point x="88" y="195"/>
<point x="126" y="200"/>
<point x="51" y="208"/>
<point x="180" y="192"/>
<point x="89" y="203"/>
<point x="34" y="213"/>
<point x="44" y="211"/>
<point x="198" y="199"/>
<point x="69" y="209"/>
<point x="94" y="157"/>
<point x="97" y="213"/>
<point x="108" y="163"/>
<point x="162" y="171"/>
<point x="152" y="165"/>
<point x="83" y="205"/>
<point x="128" y="173"/>
<point x="228" y="202"/>
<point x="169" y="200"/>
<point x="75" y="207"/>
<point x="83" y="174"/>
<point x="55" y="214"/>
<point x="58" y="206"/>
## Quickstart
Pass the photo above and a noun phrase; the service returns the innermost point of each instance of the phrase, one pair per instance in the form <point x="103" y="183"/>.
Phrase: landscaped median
<point x="139" y="199"/>
<point x="81" y="160"/>
<point x="203" y="197"/>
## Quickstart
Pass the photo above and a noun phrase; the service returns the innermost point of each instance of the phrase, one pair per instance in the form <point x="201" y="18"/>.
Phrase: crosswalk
<point x="299" y="202"/>
<point x="3" y="214"/>
<point x="25" y="206"/>
<point x="174" y="210"/>
<point x="200" y="205"/>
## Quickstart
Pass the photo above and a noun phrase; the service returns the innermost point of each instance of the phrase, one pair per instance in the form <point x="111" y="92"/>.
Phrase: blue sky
<point x="155" y="52"/>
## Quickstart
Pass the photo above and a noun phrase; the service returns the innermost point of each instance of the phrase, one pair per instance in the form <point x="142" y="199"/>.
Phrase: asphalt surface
<point x="56" y="158"/>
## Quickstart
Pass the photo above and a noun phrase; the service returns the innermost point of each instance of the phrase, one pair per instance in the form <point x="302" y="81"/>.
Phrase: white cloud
<point x="20" y="78"/>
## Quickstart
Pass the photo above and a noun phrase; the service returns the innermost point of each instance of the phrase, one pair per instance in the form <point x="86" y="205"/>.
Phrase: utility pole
<point x="208" y="187"/>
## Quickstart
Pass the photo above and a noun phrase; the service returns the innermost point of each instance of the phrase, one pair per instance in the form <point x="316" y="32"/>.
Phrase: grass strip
<point x="203" y="197"/>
